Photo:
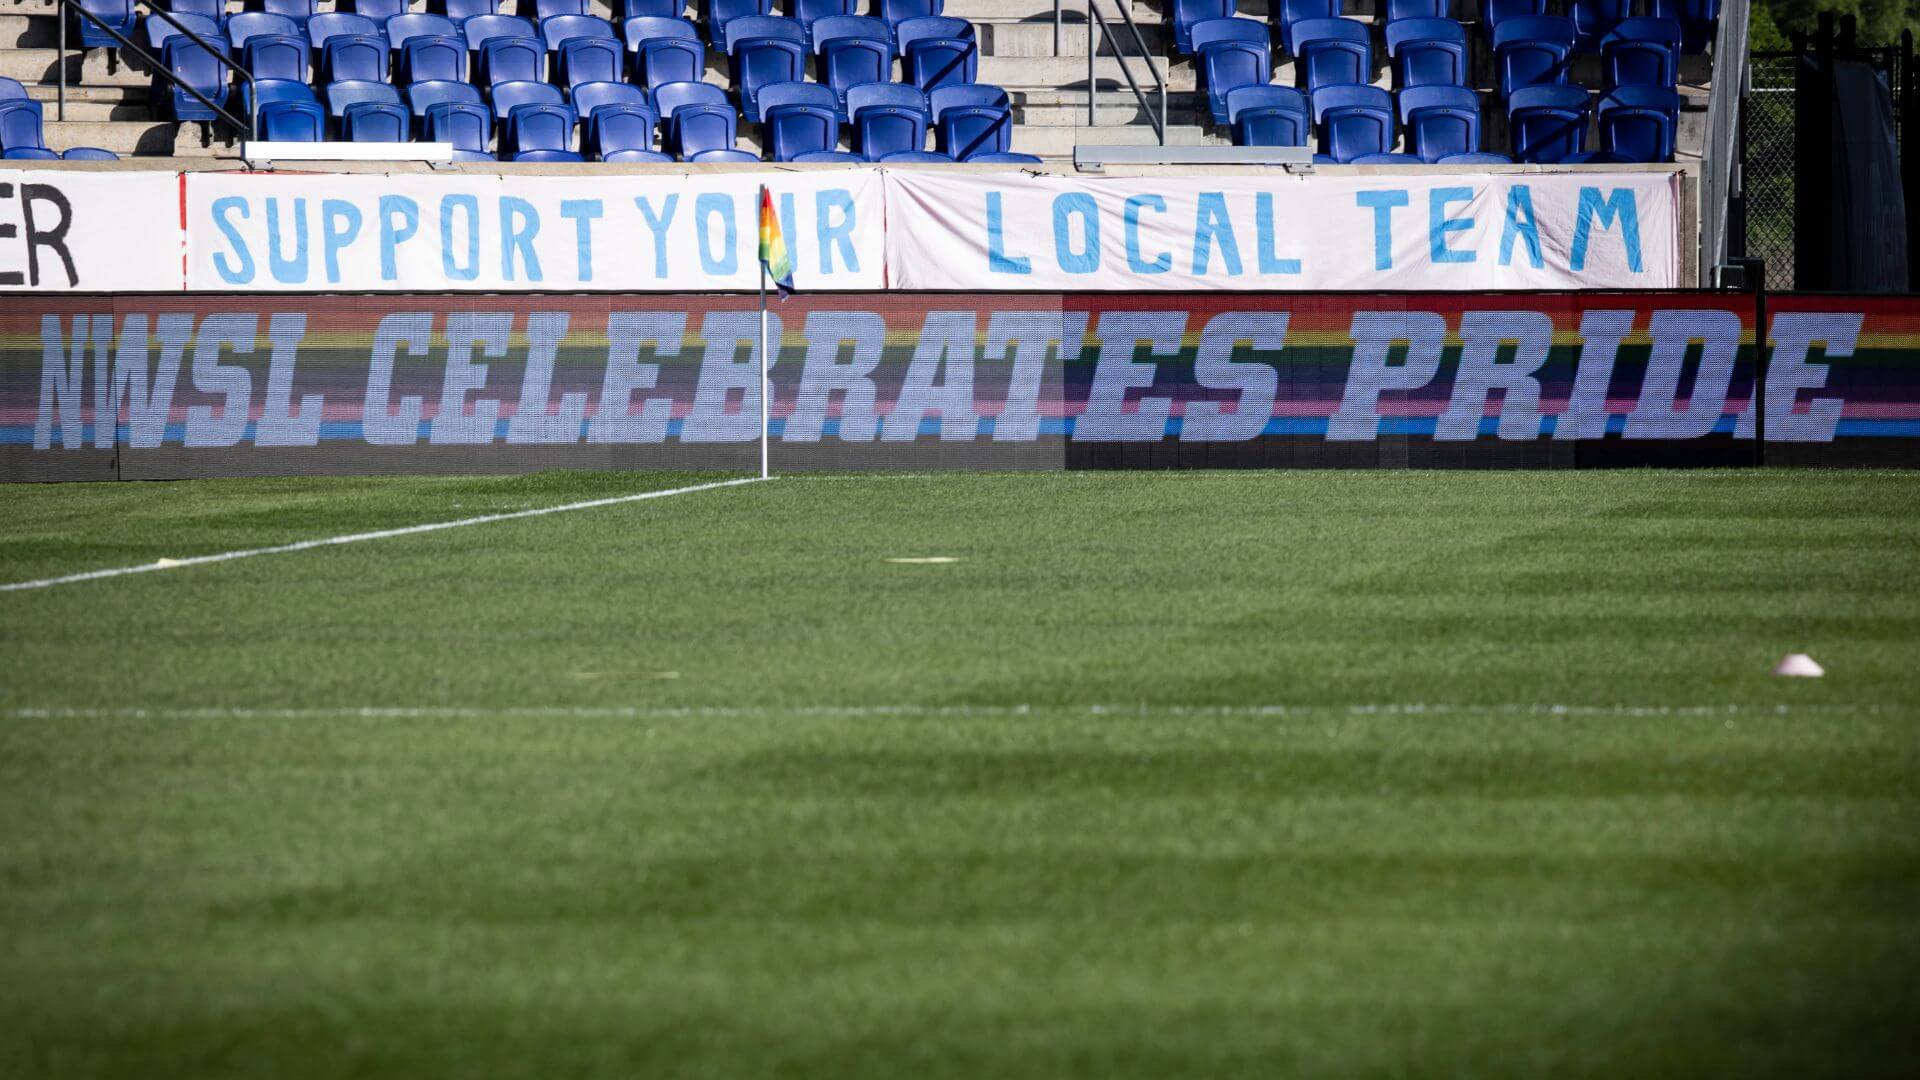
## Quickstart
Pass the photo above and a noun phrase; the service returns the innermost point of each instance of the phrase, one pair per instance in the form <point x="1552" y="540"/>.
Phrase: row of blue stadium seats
<point x="1593" y="20"/>
<point x="23" y="131"/>
<point x="1548" y="124"/>
<point x="968" y="123"/>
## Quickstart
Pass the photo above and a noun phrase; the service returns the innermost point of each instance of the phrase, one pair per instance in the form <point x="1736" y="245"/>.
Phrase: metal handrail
<point x="1094" y="17"/>
<point x="159" y="67"/>
<point x="1722" y="180"/>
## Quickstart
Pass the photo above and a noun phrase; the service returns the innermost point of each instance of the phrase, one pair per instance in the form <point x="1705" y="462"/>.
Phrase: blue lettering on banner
<point x="393" y="235"/>
<point x="453" y="270"/>
<point x="1520" y="226"/>
<point x="231" y="273"/>
<point x="584" y="213"/>
<point x="835" y="232"/>
<point x="339" y="225"/>
<point x="1211" y="226"/>
<point x="998" y="261"/>
<point x="1621" y="207"/>
<point x="287" y="271"/>
<point x="657" y="223"/>
<point x="1439" y="224"/>
<point x="519" y="224"/>
<point x="1087" y="259"/>
<point x="1130" y="220"/>
<point x="1270" y="260"/>
<point x="1382" y="203"/>
<point x="705" y="206"/>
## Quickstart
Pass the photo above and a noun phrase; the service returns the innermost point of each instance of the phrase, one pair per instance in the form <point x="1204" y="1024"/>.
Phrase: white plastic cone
<point x="1799" y="664"/>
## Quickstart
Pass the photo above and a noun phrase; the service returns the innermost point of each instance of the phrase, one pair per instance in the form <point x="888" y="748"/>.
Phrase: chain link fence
<point x="1767" y="166"/>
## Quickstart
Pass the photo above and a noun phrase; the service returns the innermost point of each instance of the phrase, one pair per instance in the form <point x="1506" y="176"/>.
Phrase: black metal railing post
<point x="159" y="67"/>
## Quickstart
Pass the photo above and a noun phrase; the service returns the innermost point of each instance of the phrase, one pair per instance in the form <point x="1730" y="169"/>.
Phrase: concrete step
<point x="1067" y="108"/>
<point x="96" y="68"/>
<point x="1058" y="142"/>
<point x="131" y="137"/>
<point x="1066" y="73"/>
<point x="94" y="102"/>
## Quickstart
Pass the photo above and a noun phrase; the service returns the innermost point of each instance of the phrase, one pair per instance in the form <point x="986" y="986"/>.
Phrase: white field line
<point x="670" y="712"/>
<point x="354" y="538"/>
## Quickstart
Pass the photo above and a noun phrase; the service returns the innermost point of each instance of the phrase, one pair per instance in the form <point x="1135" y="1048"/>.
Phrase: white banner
<point x="491" y="233"/>
<point x="91" y="231"/>
<point x="974" y="231"/>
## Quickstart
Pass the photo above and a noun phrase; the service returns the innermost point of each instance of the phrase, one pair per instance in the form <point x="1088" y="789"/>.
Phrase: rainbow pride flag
<point x="773" y="245"/>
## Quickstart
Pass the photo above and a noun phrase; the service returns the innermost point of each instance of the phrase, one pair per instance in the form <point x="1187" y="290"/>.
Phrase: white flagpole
<point x="765" y="386"/>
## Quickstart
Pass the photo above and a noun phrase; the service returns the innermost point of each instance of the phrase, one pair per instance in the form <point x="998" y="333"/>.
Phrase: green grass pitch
<point x="1169" y="775"/>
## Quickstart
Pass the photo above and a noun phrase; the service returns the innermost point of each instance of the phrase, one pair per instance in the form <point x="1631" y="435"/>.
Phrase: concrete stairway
<point x="108" y="100"/>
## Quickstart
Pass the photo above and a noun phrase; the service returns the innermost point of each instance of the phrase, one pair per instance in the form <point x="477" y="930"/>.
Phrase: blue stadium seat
<point x="1495" y="12"/>
<point x="887" y="118"/>
<point x="1481" y="158"/>
<point x="1232" y="53"/>
<point x="423" y="96"/>
<point x="511" y="59"/>
<point x="205" y="9"/>
<point x="1353" y="120"/>
<point x="636" y="156"/>
<point x="825" y="157"/>
<point x="1548" y="123"/>
<point x="404" y="27"/>
<point x="697" y="116"/>
<point x="467" y="126"/>
<point x="507" y="96"/>
<point x="1269" y="115"/>
<point x="1637" y="123"/>
<point x="461" y="10"/>
<point x="20" y="124"/>
<point x="585" y="60"/>
<point x="158" y="31"/>
<point x="266" y="92"/>
<point x="87" y="153"/>
<point x="354" y="58"/>
<point x="618" y="125"/>
<point x="1531" y="50"/>
<point x="808" y="12"/>
<point x="650" y="9"/>
<point x="375" y="121"/>
<point x="300" y="11"/>
<point x="118" y="14"/>
<point x="1417" y="9"/>
<point x="343" y="95"/>
<point x="766" y="49"/>
<point x="1440" y="121"/>
<point x="852" y="49"/>
<point x="242" y="27"/>
<point x="937" y="51"/>
<point x="432" y="59"/>
<point x="1331" y="52"/>
<point x="719" y="154"/>
<point x="1697" y="18"/>
<point x="329" y="24"/>
<point x="665" y="50"/>
<point x="480" y="29"/>
<point x="11" y="90"/>
<point x="560" y="29"/>
<point x="1386" y="159"/>
<point x="1286" y="14"/>
<point x="30" y="153"/>
<point x="198" y="68"/>
<point x="917" y="157"/>
<point x="1593" y="20"/>
<point x="380" y="11"/>
<point x="547" y="9"/>
<point x="895" y="12"/>
<point x="722" y="12"/>
<point x="275" y="56"/>
<point x="587" y="97"/>
<point x="1008" y="158"/>
<point x="1187" y="12"/>
<point x="971" y="119"/>
<point x="1428" y="51"/>
<point x="798" y="117"/>
<point x="1642" y="52"/>
<point x="540" y="128"/>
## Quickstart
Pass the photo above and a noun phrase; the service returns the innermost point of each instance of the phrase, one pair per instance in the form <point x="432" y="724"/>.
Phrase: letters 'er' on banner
<point x="1266" y="232"/>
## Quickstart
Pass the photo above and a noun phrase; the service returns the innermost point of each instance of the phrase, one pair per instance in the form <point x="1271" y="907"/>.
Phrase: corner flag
<point x="773" y="246"/>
